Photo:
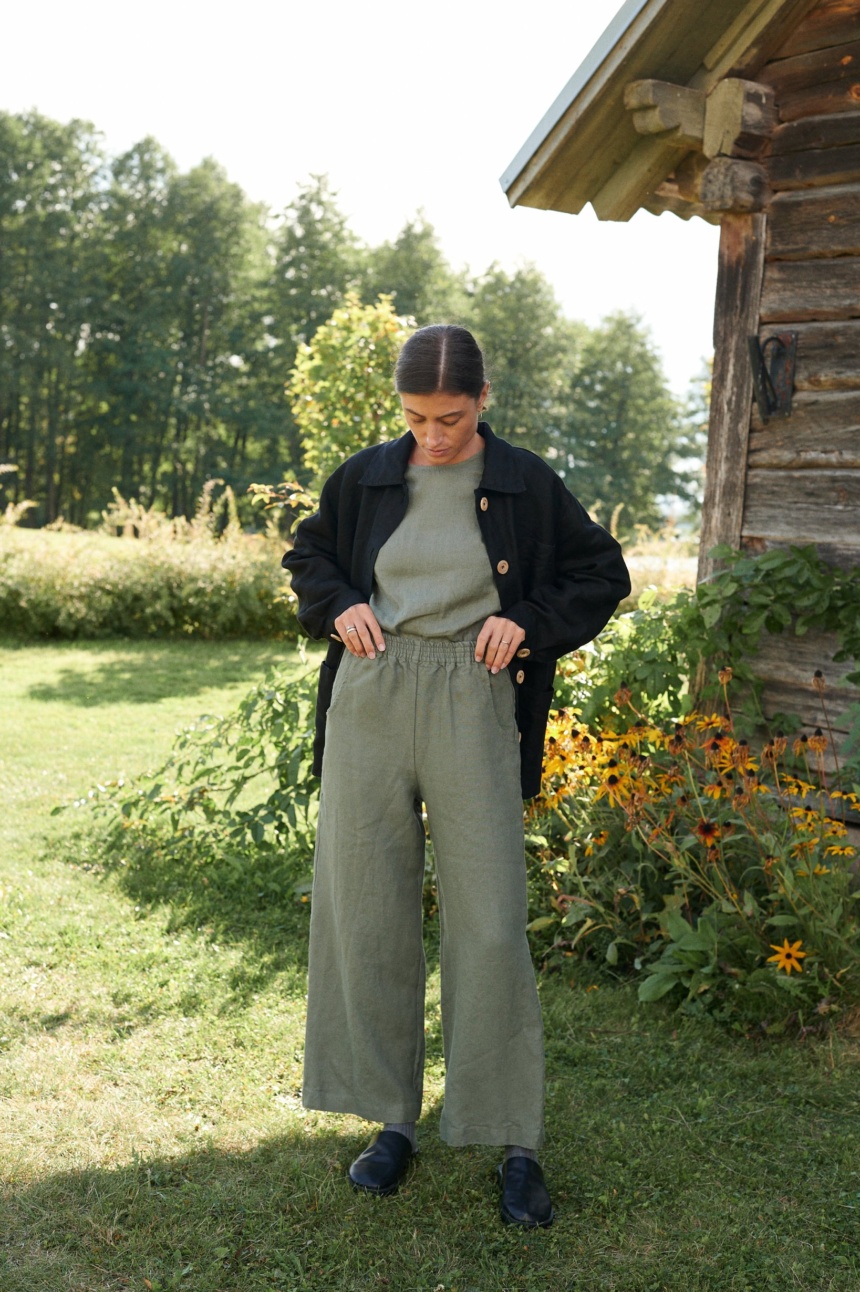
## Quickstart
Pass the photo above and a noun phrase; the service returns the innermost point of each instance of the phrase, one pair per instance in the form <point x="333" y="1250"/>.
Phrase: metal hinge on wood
<point x="773" y="362"/>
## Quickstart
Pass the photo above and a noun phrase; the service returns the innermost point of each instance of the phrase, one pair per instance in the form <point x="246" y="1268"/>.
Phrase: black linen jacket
<point x="559" y="575"/>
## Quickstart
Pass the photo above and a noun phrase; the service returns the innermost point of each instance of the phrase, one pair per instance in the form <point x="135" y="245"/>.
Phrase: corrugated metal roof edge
<point x="592" y="62"/>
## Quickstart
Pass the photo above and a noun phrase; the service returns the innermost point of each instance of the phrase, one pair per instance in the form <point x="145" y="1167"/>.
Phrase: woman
<point x="450" y="571"/>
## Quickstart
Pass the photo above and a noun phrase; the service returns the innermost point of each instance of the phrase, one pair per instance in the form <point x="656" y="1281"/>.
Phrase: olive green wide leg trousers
<point x="423" y="722"/>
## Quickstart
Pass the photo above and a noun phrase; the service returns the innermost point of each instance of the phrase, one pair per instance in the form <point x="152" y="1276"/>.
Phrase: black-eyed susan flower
<point x="788" y="956"/>
<point x="708" y="831"/>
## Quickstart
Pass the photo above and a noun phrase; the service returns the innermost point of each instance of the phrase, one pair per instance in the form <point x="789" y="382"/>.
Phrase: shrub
<point x="231" y="787"/>
<point x="718" y="873"/>
<point x="341" y="387"/>
<point x="162" y="578"/>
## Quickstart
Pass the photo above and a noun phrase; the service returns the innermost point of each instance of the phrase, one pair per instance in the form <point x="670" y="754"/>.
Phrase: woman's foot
<point x="525" y="1198"/>
<point x="383" y="1164"/>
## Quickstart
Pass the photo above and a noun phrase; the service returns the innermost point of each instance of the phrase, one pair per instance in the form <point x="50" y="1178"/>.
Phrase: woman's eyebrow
<point x="455" y="412"/>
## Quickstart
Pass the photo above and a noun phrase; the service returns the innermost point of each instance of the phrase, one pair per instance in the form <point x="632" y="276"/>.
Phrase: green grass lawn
<point x="151" y="1133"/>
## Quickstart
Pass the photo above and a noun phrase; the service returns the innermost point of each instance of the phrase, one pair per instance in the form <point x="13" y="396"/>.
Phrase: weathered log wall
<point x="801" y="474"/>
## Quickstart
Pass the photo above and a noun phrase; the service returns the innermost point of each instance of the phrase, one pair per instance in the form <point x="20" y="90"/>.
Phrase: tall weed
<point x="145" y="576"/>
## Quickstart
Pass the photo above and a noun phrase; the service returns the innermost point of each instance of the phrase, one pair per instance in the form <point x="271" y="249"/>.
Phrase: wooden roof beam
<point x="734" y="120"/>
<point x="674" y="112"/>
<point x="680" y="124"/>
<point x="739" y="119"/>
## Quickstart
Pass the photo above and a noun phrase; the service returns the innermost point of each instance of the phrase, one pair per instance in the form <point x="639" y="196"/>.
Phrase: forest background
<point x="150" y="320"/>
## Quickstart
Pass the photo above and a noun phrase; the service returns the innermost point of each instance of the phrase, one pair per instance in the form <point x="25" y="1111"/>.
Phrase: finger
<point x="484" y="637"/>
<point x="374" y="629"/>
<point x="363" y="640"/>
<point x="510" y="636"/>
<point x="496" y="653"/>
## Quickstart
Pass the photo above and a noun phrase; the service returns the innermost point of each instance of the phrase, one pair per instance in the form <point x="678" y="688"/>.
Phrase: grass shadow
<point x="276" y="1216"/>
<point x="667" y="1179"/>
<point x="146" y="672"/>
<point x="255" y="900"/>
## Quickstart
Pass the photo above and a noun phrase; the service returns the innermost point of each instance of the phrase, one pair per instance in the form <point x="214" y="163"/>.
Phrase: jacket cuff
<point x="343" y="603"/>
<point x="521" y="614"/>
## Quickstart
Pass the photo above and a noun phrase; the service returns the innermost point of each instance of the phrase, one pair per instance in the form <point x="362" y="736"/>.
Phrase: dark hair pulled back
<point x="441" y="357"/>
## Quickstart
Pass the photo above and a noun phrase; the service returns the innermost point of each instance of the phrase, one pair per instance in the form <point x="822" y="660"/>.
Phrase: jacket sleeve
<point x="579" y="580"/>
<point x="320" y="583"/>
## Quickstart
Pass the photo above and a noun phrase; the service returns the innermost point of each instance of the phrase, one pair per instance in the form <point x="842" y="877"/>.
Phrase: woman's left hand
<point x="498" y="642"/>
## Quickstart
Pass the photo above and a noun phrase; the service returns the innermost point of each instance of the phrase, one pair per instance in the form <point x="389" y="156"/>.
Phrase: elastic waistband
<point x="429" y="650"/>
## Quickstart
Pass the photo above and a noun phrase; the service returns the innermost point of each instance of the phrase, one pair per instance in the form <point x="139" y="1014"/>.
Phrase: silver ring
<point x="506" y="643"/>
<point x="351" y="628"/>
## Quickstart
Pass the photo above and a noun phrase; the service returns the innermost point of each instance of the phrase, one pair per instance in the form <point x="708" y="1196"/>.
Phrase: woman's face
<point x="445" y="427"/>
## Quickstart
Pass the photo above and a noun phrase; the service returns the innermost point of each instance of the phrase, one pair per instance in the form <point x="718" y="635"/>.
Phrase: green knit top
<point x="433" y="577"/>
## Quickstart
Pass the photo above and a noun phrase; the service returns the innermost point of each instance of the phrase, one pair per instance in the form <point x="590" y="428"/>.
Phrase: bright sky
<point x="403" y="105"/>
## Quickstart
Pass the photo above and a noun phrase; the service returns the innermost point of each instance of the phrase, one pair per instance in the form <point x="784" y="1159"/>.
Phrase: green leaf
<point x="542" y="922"/>
<point x="657" y="985"/>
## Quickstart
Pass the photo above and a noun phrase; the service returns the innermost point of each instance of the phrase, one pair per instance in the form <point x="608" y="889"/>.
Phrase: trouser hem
<point x="327" y="1102"/>
<point x="499" y="1137"/>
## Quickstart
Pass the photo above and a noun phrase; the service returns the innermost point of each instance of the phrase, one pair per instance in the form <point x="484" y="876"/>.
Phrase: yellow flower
<point x="788" y="956"/>
<point x="708" y="832"/>
<point x="834" y="851"/>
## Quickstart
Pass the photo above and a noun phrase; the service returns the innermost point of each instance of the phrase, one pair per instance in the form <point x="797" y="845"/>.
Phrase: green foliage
<point x="755" y="594"/>
<point x="413" y="271"/>
<point x="620" y="436"/>
<point x="699" y="860"/>
<point x="342" y="387"/>
<point x="200" y="578"/>
<point x="657" y="653"/>
<point x="531" y="351"/>
<point x="239" y="782"/>
<point x="700" y="856"/>
<point x="150" y="321"/>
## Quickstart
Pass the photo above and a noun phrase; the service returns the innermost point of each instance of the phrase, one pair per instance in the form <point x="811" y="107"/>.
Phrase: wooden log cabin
<point x="745" y="113"/>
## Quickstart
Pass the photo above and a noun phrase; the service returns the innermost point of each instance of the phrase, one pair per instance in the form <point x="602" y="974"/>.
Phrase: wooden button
<point x="502" y="567"/>
<point x="521" y="677"/>
<point x="524" y="653"/>
<point x="485" y="502"/>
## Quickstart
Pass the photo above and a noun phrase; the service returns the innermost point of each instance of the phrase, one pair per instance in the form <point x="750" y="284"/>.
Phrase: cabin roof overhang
<point x="601" y="142"/>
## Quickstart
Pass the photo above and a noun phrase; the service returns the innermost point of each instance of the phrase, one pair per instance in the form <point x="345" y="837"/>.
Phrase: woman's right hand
<point x="360" y="633"/>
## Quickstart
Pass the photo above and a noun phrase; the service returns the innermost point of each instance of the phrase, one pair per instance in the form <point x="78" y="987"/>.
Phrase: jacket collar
<point x="502" y="472"/>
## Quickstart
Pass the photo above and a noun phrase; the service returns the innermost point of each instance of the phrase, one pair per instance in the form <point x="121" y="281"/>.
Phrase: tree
<point x="342" y="386"/>
<point x="49" y="193"/>
<point x="413" y="271"/>
<point x="530" y="347"/>
<point x="621" y="436"/>
<point x="315" y="260"/>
